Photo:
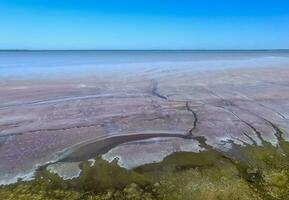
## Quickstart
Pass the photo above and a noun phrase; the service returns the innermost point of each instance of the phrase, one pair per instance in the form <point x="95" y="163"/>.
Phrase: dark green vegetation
<point x="243" y="173"/>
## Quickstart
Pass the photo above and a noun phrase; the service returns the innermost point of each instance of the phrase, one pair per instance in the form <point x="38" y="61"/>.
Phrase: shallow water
<point x="102" y="146"/>
<point x="29" y="64"/>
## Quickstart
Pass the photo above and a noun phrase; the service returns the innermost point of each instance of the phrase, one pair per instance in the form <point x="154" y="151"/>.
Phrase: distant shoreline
<point x="168" y="50"/>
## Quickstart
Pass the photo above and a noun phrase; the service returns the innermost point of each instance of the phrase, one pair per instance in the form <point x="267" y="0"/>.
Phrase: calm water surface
<point x="51" y="63"/>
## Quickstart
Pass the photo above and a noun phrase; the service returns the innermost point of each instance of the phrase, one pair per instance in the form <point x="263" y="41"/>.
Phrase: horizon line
<point x="282" y="49"/>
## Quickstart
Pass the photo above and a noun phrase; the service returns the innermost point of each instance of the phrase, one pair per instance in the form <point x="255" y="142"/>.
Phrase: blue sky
<point x="144" y="24"/>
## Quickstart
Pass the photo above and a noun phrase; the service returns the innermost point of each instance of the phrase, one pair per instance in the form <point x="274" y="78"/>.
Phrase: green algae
<point x="243" y="173"/>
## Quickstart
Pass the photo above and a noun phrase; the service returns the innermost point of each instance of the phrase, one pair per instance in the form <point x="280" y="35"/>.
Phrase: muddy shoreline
<point x="101" y="146"/>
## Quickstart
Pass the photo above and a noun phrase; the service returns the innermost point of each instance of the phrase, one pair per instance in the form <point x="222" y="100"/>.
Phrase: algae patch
<point x="245" y="172"/>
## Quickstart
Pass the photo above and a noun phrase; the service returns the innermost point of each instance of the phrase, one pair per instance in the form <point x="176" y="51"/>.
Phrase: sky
<point x="144" y="24"/>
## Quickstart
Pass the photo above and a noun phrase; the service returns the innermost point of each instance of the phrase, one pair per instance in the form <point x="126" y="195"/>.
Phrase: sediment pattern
<point x="225" y="112"/>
